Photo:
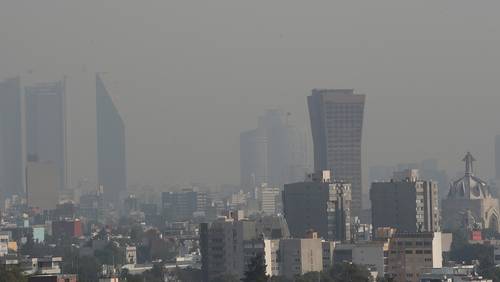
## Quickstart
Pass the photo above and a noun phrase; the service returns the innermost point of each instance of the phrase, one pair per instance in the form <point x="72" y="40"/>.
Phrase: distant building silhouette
<point x="274" y="153"/>
<point x="337" y="124"/>
<point x="111" y="160"/>
<point x="11" y="152"/>
<point x="46" y="126"/>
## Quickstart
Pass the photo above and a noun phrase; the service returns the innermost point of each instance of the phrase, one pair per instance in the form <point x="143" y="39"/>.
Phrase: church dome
<point x="469" y="186"/>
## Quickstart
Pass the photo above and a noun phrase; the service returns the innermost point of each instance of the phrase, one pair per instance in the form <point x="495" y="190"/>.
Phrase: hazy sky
<point x="188" y="76"/>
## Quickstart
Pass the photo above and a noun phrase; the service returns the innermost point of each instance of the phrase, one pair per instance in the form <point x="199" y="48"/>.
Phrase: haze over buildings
<point x="227" y="67"/>
<point x="45" y="113"/>
<point x="111" y="159"/>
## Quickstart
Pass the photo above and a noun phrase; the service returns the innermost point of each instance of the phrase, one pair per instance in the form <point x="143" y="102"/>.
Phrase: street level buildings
<point x="410" y="253"/>
<point x="336" y="124"/>
<point x="227" y="247"/>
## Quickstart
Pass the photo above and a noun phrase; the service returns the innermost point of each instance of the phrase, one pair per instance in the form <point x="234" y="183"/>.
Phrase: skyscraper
<point x="11" y="152"/>
<point x="274" y="153"/>
<point x="46" y="126"/>
<point x="111" y="161"/>
<point x="336" y="125"/>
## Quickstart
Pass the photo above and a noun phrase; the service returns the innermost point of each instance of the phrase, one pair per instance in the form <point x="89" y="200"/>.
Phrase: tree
<point x="256" y="270"/>
<point x="349" y="272"/>
<point x="225" y="278"/>
<point x="11" y="274"/>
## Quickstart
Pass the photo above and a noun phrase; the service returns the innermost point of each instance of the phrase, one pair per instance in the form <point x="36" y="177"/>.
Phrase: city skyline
<point x="226" y="75"/>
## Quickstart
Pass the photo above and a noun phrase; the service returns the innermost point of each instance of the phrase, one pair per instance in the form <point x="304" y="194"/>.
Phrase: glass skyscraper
<point x="336" y="125"/>
<point x="111" y="161"/>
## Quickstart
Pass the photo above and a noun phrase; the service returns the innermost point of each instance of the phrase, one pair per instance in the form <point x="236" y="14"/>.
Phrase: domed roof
<point x="469" y="186"/>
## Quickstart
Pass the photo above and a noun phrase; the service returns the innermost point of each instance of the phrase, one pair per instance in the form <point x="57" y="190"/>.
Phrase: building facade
<point x="42" y="185"/>
<point x="111" y="159"/>
<point x="46" y="126"/>
<point x="405" y="203"/>
<point x="300" y="256"/>
<point x="11" y="144"/>
<point x="337" y="124"/>
<point x="227" y="247"/>
<point x="318" y="204"/>
<point x="181" y="205"/>
<point x="470" y="204"/>
<point x="410" y="253"/>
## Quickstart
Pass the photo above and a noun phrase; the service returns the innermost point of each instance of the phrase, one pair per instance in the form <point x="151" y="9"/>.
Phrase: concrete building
<point x="11" y="140"/>
<point x="299" y="256"/>
<point x="405" y="203"/>
<point x="320" y="204"/>
<point x="42" y="185"/>
<point x="46" y="126"/>
<point x="180" y="206"/>
<point x="274" y="153"/>
<point x="269" y="199"/>
<point x="337" y="124"/>
<point x="227" y="246"/>
<point x="111" y="155"/>
<point x="328" y="251"/>
<point x="373" y="255"/>
<point x="410" y="253"/>
<point x="470" y="204"/>
<point x="272" y="259"/>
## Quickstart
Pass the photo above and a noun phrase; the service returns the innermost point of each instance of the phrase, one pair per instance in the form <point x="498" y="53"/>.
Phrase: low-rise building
<point x="462" y="273"/>
<point x="411" y="253"/>
<point x="299" y="256"/>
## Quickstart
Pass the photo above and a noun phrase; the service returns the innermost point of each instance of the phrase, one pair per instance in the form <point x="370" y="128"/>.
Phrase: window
<point x="409" y="252"/>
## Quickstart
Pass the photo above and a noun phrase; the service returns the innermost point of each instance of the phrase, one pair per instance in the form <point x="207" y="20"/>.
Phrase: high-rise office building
<point x="11" y="145"/>
<point x="274" y="153"/>
<point x="336" y="125"/>
<point x="405" y="203"/>
<point x="111" y="161"/>
<point x="46" y="126"/>
<point x="318" y="204"/>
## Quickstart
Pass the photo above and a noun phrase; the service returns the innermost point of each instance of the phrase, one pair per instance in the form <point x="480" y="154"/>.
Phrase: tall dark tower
<point x="46" y="126"/>
<point x="336" y="125"/>
<point x="11" y="152"/>
<point x="111" y="161"/>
